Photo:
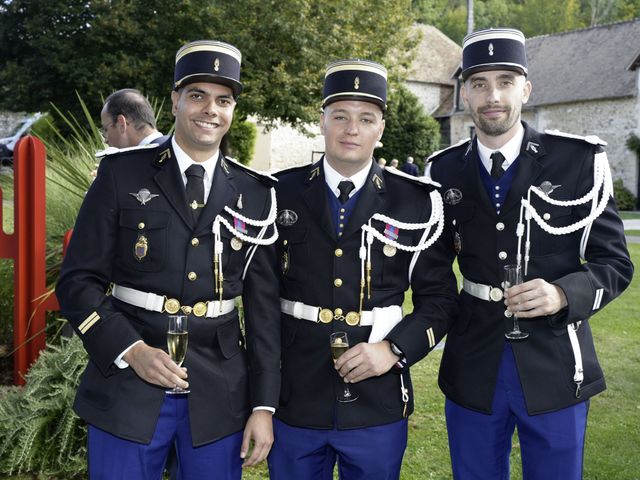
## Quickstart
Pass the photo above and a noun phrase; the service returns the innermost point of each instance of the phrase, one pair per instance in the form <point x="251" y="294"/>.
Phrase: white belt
<point x="383" y="319"/>
<point x="483" y="292"/>
<point x="160" y="303"/>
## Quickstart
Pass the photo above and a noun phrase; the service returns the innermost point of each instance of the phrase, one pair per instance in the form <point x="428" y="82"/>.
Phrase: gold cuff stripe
<point x="89" y="322"/>
<point x="432" y="338"/>
<point x="208" y="47"/>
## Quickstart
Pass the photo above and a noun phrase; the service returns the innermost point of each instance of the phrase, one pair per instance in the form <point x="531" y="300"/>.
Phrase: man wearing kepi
<point x="177" y="229"/>
<point x="541" y="201"/>
<point x="348" y="250"/>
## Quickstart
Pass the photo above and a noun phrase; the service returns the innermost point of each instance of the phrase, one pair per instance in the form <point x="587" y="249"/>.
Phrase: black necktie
<point x="497" y="159"/>
<point x="345" y="188"/>
<point x="195" y="189"/>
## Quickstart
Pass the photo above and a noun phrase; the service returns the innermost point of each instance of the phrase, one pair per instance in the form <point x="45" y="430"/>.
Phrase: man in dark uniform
<point x="349" y="248"/>
<point x="544" y="201"/>
<point x="177" y="228"/>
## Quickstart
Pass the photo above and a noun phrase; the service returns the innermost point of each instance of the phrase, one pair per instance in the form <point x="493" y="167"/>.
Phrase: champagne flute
<point x="339" y="342"/>
<point x="513" y="276"/>
<point x="177" y="341"/>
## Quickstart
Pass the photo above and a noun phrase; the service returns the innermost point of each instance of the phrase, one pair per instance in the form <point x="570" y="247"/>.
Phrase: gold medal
<point x="141" y="247"/>
<point x="389" y="250"/>
<point x="236" y="243"/>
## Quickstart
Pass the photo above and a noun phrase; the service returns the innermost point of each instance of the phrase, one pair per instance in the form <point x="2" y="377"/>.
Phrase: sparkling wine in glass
<point x="177" y="341"/>
<point x="339" y="342"/>
<point x="513" y="276"/>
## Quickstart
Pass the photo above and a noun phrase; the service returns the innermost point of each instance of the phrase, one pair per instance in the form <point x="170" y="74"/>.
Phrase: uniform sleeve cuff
<point x="269" y="409"/>
<point x="120" y="363"/>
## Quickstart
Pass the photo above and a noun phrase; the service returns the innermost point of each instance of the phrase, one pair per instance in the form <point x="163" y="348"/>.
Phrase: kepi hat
<point x="361" y="80"/>
<point x="208" y="61"/>
<point x="494" y="49"/>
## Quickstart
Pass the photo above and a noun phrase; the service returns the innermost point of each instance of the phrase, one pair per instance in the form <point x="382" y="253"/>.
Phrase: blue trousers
<point x="114" y="458"/>
<point x="551" y="444"/>
<point x="372" y="453"/>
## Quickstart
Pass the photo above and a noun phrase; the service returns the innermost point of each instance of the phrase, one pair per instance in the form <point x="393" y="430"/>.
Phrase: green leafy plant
<point x="241" y="140"/>
<point x="39" y="431"/>
<point x="624" y="198"/>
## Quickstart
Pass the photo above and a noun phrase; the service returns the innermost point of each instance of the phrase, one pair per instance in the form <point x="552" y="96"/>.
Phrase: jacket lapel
<point x="315" y="197"/>
<point x="369" y="201"/>
<point x="222" y="193"/>
<point x="529" y="168"/>
<point x="169" y="180"/>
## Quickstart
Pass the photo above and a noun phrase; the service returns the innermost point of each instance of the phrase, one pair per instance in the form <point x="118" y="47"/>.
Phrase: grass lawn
<point x="629" y="215"/>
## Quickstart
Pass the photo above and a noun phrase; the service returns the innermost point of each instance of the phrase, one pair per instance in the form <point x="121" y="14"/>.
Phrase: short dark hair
<point x="133" y="105"/>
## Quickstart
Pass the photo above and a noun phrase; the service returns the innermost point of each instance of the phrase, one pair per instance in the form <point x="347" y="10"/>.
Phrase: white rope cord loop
<point x="436" y="218"/>
<point x="259" y="239"/>
<point x="602" y="181"/>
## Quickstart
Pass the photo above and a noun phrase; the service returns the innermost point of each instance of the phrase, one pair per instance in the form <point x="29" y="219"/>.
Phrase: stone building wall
<point x="612" y="120"/>
<point x="9" y="121"/>
<point x="429" y="94"/>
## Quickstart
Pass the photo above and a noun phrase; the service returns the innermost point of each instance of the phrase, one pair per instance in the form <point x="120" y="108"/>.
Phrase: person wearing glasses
<point x="128" y="120"/>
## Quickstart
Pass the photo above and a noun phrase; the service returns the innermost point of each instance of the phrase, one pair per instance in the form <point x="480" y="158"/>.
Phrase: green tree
<point x="52" y="48"/>
<point x="408" y="131"/>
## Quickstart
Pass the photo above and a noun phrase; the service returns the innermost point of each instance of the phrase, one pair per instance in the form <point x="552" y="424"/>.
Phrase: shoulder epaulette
<point x="411" y="178"/>
<point x="439" y="153"/>
<point x="284" y="171"/>
<point x="592" y="139"/>
<point x="251" y="171"/>
<point x="113" y="150"/>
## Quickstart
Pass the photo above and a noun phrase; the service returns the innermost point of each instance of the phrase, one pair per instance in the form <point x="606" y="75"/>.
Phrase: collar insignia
<point x="224" y="166"/>
<point x="377" y="181"/>
<point x="144" y="196"/>
<point x="314" y="173"/>
<point x="532" y="147"/>
<point x="164" y="156"/>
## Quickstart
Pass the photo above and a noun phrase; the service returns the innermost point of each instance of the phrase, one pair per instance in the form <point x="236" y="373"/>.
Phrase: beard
<point x="496" y="127"/>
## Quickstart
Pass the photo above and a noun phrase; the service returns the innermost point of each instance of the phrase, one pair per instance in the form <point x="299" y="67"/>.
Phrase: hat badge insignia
<point x="216" y="64"/>
<point x="356" y="83"/>
<point x="490" y="49"/>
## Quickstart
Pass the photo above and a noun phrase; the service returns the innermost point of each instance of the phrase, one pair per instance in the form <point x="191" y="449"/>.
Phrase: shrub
<point x="241" y="140"/>
<point x="624" y="198"/>
<point x="39" y="431"/>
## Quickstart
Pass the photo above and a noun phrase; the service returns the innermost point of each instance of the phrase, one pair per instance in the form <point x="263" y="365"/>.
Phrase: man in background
<point x="128" y="120"/>
<point x="409" y="167"/>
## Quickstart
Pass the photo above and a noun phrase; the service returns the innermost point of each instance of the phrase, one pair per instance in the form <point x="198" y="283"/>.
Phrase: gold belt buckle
<point x="495" y="294"/>
<point x="325" y="315"/>
<point x="200" y="309"/>
<point x="171" y="305"/>
<point x="352" y="319"/>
